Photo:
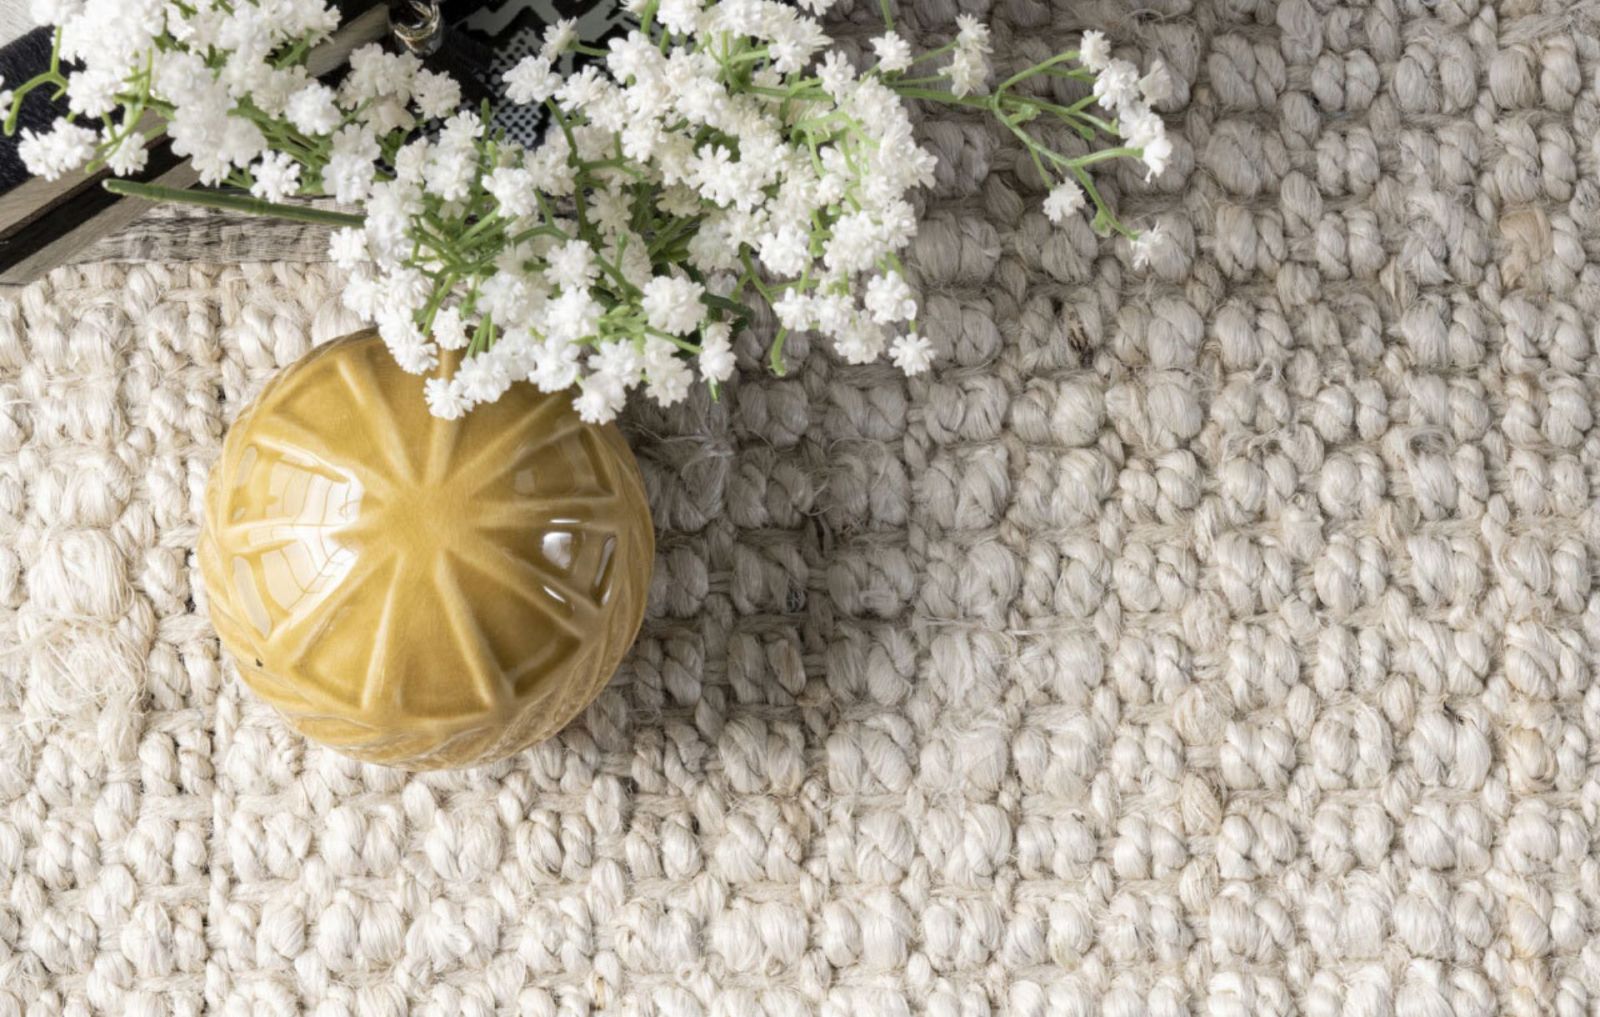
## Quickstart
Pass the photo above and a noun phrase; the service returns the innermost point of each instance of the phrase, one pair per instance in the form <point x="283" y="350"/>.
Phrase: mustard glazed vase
<point x="418" y="592"/>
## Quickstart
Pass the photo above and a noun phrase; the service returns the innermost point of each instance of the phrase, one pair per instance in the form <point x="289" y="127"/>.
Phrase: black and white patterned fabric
<point x="513" y="29"/>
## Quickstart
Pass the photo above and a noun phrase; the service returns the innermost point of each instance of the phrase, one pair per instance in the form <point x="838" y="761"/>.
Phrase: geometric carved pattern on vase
<point x="415" y="591"/>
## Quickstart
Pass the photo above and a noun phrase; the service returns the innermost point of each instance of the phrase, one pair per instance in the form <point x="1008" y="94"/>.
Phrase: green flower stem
<point x="681" y="343"/>
<point x="481" y="225"/>
<point x="232" y="203"/>
<point x="1103" y="212"/>
<point x="983" y="102"/>
<point x="1038" y="164"/>
<point x="572" y="156"/>
<point x="1023" y="75"/>
<point x="51" y="76"/>
<point x="934" y="53"/>
<point x="627" y="288"/>
<point x="441" y="290"/>
<point x="482" y="336"/>
<point x="1101" y="156"/>
<point x="775" y="354"/>
<point x="724" y="304"/>
<point x="545" y="230"/>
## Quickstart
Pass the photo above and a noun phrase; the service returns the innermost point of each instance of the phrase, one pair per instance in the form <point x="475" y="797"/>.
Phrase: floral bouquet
<point x="717" y="155"/>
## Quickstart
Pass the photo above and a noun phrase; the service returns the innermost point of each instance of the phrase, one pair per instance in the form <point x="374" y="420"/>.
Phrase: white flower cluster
<point x="716" y="156"/>
<point x="685" y="181"/>
<point x="1119" y="89"/>
<point x="196" y="63"/>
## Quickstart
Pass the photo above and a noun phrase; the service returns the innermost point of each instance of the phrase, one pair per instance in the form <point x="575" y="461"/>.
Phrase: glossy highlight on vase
<point x="416" y="591"/>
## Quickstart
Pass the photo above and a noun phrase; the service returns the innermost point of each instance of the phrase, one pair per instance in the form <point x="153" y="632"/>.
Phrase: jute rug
<point x="1215" y="638"/>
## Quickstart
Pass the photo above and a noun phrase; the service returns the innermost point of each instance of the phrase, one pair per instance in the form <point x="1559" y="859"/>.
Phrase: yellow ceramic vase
<point x="419" y="592"/>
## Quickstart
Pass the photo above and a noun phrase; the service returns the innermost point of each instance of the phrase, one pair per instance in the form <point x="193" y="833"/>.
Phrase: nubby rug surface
<point x="1214" y="638"/>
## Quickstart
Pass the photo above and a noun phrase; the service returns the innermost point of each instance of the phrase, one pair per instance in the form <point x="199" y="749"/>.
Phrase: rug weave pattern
<point x="1210" y="639"/>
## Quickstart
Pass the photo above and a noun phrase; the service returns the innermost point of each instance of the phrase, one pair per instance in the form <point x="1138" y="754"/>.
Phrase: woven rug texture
<point x="1213" y="638"/>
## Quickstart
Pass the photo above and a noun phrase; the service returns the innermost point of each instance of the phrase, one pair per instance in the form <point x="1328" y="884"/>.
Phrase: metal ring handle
<point x="421" y="29"/>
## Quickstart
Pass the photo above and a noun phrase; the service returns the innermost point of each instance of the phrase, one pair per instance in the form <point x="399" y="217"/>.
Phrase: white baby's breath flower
<point x="673" y="304"/>
<point x="640" y="138"/>
<point x="361" y="295"/>
<point x="449" y="329"/>
<point x="786" y="251"/>
<point x="667" y="377"/>
<point x="558" y="38"/>
<point x="833" y="312"/>
<point x="1139" y="126"/>
<point x="241" y="142"/>
<point x="376" y="74"/>
<point x="411" y="351"/>
<point x="572" y="316"/>
<point x="275" y="177"/>
<point x="92" y="91"/>
<point x="1155" y="155"/>
<point x="1063" y="200"/>
<point x="556" y="366"/>
<point x="633" y="56"/>
<point x="795" y="309"/>
<point x="506" y="297"/>
<point x="856" y="245"/>
<point x="348" y="248"/>
<point x="1156" y="85"/>
<point x="183" y="79"/>
<point x="312" y="18"/>
<point x="1147" y="245"/>
<point x="1144" y="130"/>
<point x="390" y="208"/>
<point x="669" y="384"/>
<point x="1117" y="86"/>
<point x="972" y="34"/>
<point x="483" y="376"/>
<point x="435" y="95"/>
<point x="620" y="362"/>
<point x="968" y="71"/>
<point x="610" y="209"/>
<point x="64" y="148"/>
<point x="450" y="170"/>
<point x="129" y="155"/>
<point x="532" y="80"/>
<point x="411" y="161"/>
<point x="836" y="74"/>
<point x="860" y="341"/>
<point x="598" y="399"/>
<point x="912" y="353"/>
<point x="349" y="172"/>
<point x="312" y="110"/>
<point x="513" y="190"/>
<point x="572" y="266"/>
<point x="582" y="90"/>
<point x="679" y="16"/>
<point x="445" y="398"/>
<point x="889" y="299"/>
<point x="1094" y="52"/>
<point x="406" y="289"/>
<point x="792" y="40"/>
<point x="716" y="352"/>
<point x="894" y="53"/>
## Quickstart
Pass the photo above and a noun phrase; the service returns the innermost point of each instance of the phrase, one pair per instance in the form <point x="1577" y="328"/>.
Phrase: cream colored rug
<point x="1212" y="639"/>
